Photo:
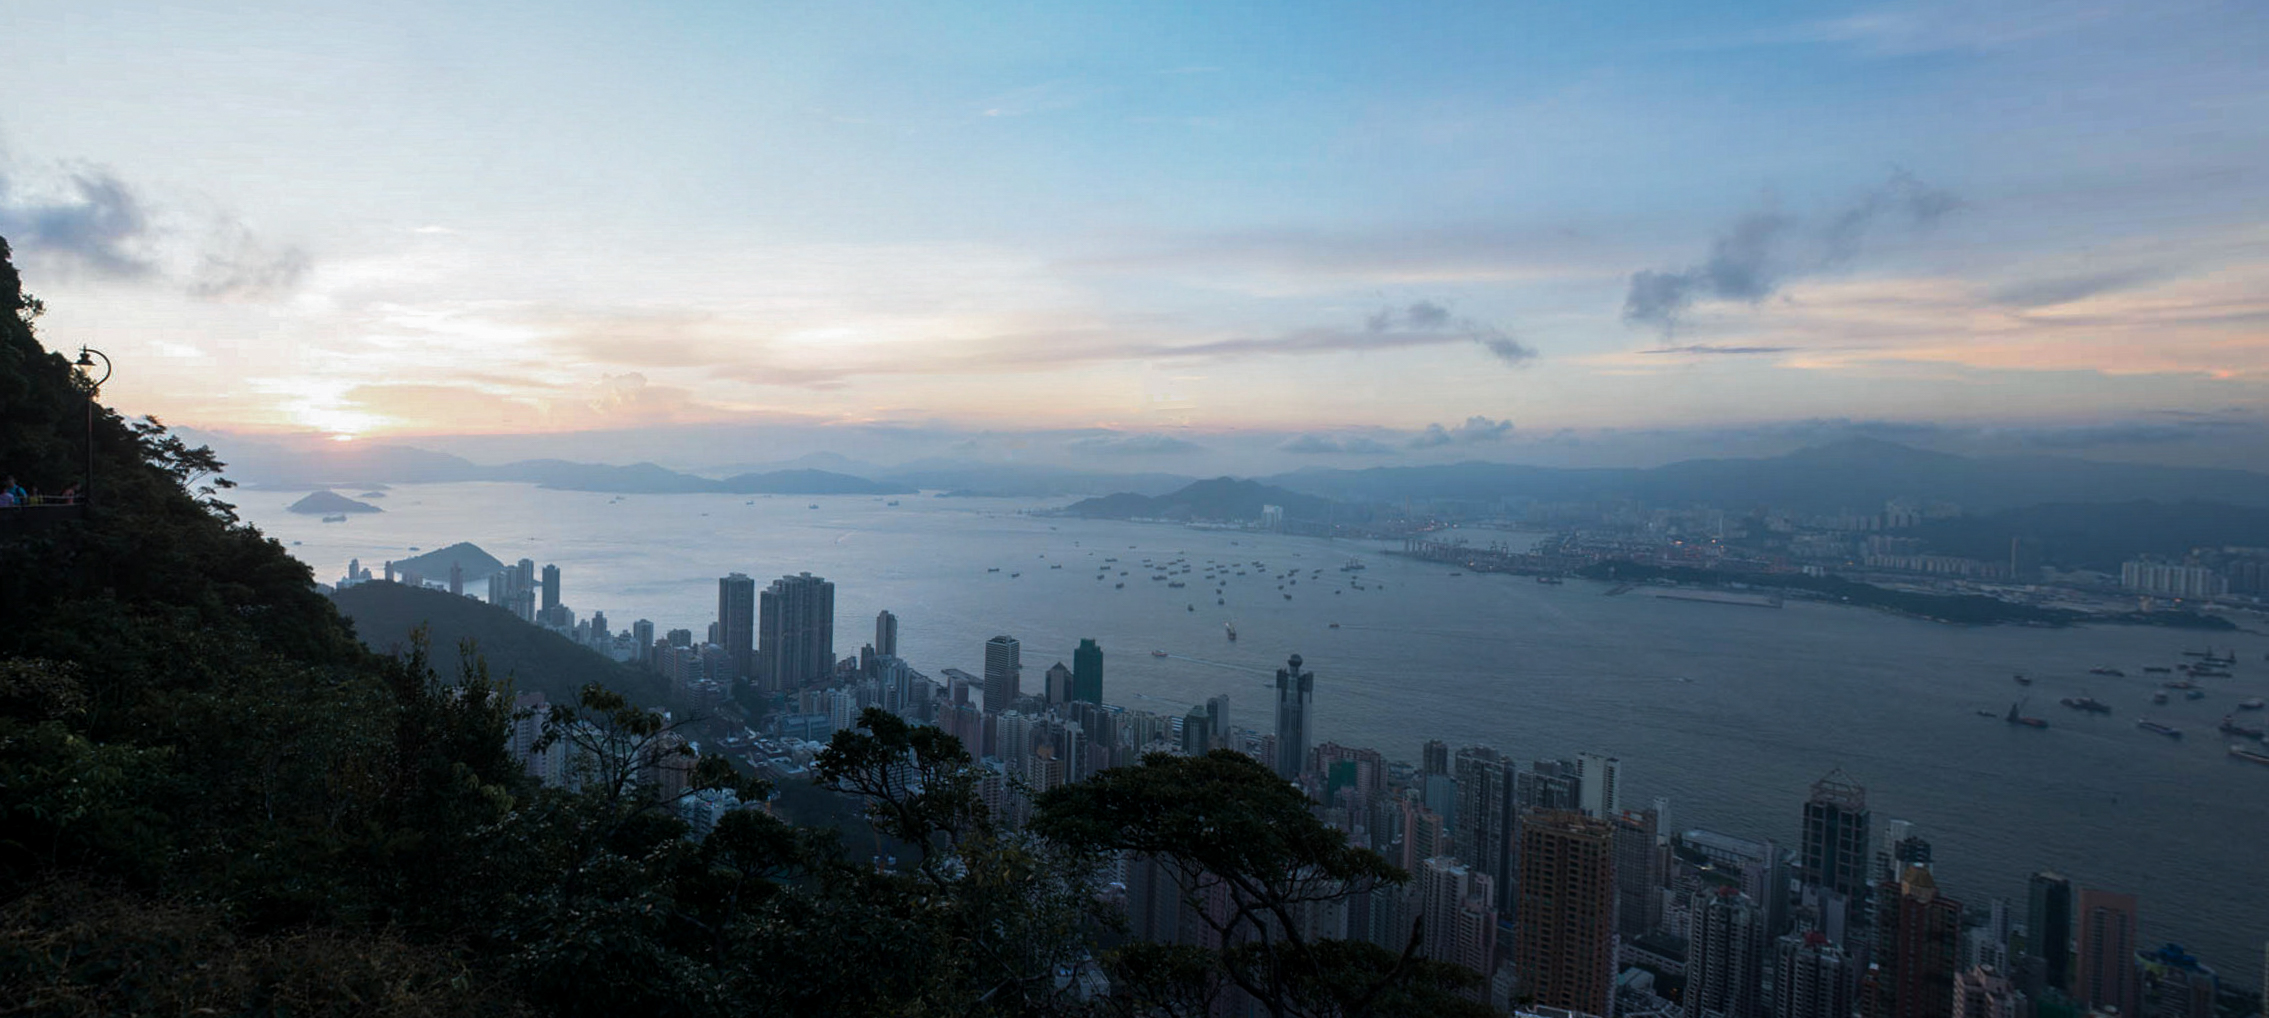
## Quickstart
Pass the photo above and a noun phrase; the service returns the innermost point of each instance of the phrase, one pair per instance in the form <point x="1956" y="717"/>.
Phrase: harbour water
<point x="1731" y="711"/>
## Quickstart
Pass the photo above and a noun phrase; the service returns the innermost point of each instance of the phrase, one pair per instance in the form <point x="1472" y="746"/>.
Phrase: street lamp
<point x="86" y="366"/>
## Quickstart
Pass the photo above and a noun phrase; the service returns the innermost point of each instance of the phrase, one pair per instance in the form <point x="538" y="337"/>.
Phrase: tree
<point x="1252" y="862"/>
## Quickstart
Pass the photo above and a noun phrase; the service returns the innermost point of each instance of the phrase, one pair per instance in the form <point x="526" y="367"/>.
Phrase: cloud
<point x="2135" y="433"/>
<point x="1751" y="260"/>
<point x="1713" y="349"/>
<point x="1115" y="444"/>
<point x="239" y="265"/>
<point x="2050" y="292"/>
<point x="88" y="220"/>
<point x="1428" y="319"/>
<point x="1312" y="444"/>
<point x="93" y="222"/>
<point x="1476" y="429"/>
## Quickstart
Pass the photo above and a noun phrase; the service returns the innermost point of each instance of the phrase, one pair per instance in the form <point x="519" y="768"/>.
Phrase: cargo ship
<point x="2113" y="672"/>
<point x="2086" y="703"/>
<point x="2230" y="726"/>
<point x="2156" y="728"/>
<point x="2249" y="755"/>
<point x="2023" y="721"/>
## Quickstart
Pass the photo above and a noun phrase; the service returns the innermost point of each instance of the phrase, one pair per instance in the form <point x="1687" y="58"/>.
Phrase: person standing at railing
<point x="14" y="492"/>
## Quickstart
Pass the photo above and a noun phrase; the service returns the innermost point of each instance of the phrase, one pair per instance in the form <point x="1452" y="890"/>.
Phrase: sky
<point x="1319" y="233"/>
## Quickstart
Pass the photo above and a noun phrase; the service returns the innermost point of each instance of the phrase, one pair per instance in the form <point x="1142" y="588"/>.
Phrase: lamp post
<point x="86" y="365"/>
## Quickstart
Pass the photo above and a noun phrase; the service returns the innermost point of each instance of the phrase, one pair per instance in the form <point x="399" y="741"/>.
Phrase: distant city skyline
<point x="1359" y="233"/>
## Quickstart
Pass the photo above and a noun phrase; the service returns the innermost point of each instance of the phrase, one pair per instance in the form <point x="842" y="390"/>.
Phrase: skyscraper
<point x="1639" y="875"/>
<point x="1087" y="672"/>
<point x="642" y="634"/>
<point x="795" y="629"/>
<point x="1918" y="950"/>
<point x="1004" y="660"/>
<point x="2103" y="968"/>
<point x="886" y="634"/>
<point x="1217" y="713"/>
<point x="1434" y="758"/>
<point x="1057" y="685"/>
<point x="1457" y="914"/>
<point x="736" y="622"/>
<point x="1295" y="697"/>
<point x="1564" y="927"/>
<point x="2048" y="928"/>
<point x="1725" y="960"/>
<point x="1834" y="854"/>
<point x="1600" y="778"/>
<point x="1197" y="732"/>
<point x="551" y="587"/>
<point x="1484" y="811"/>
<point x="1811" y="977"/>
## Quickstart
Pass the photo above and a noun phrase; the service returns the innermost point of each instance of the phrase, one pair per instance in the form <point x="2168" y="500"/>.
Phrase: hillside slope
<point x="536" y="659"/>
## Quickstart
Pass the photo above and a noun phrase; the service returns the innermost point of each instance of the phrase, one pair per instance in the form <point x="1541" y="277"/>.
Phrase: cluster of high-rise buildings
<point x="1544" y="876"/>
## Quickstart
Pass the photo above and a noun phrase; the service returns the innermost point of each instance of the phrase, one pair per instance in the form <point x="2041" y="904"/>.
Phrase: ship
<point x="2086" y="703"/>
<point x="2159" y="697"/>
<point x="2209" y="673"/>
<point x="2193" y="694"/>
<point x="2248" y="755"/>
<point x="2253" y="704"/>
<point x="1158" y="653"/>
<point x="1231" y="629"/>
<point x="2156" y="728"/>
<point x="2230" y="726"/>
<point x="2156" y="669"/>
<point x="2022" y="680"/>
<point x="2113" y="672"/>
<point x="2022" y="721"/>
<point x="994" y="569"/>
<point x="891" y="502"/>
<point x="1335" y="625"/>
<point x="1550" y="581"/>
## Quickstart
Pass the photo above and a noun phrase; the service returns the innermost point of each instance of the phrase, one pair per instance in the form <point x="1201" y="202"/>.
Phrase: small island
<point x="326" y="502"/>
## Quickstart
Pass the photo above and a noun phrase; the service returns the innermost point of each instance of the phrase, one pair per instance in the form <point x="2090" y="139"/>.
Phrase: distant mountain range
<point x="1855" y="474"/>
<point x="1223" y="498"/>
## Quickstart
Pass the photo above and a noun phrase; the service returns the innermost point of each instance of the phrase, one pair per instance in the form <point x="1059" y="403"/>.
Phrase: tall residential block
<point x="551" y="588"/>
<point x="1564" y="926"/>
<point x="2103" y="966"/>
<point x="795" y="633"/>
<point x="1600" y="784"/>
<point x="736" y="622"/>
<point x="1918" y="950"/>
<point x="1456" y="908"/>
<point x="1484" y="811"/>
<point x="1725" y="954"/>
<point x="1811" y="977"/>
<point x="1982" y="992"/>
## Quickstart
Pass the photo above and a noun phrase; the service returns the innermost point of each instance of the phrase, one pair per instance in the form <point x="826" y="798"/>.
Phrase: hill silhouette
<point x="1223" y="498"/>
<point x="534" y="659"/>
<point x="478" y="564"/>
